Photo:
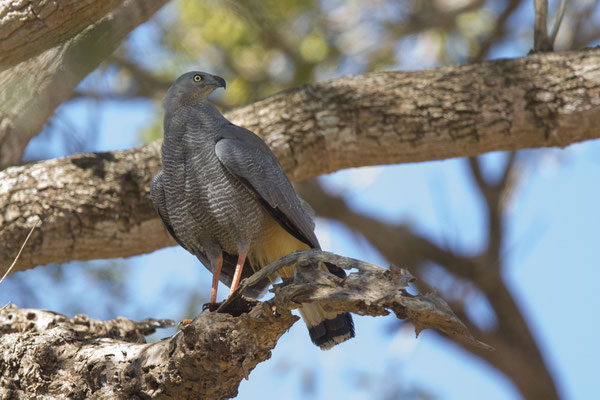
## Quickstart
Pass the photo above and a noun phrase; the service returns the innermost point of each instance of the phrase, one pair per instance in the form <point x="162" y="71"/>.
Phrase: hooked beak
<point x="220" y="82"/>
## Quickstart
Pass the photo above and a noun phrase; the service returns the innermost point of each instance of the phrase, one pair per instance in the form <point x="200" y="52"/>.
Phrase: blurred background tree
<point x="492" y="233"/>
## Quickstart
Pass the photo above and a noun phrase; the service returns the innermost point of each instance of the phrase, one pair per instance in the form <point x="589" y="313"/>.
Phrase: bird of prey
<point x="224" y="197"/>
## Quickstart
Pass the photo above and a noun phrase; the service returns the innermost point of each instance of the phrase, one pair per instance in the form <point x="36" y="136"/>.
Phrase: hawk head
<point x="191" y="87"/>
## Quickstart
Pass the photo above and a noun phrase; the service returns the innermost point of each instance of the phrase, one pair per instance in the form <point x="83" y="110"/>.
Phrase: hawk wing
<point x="157" y="193"/>
<point x="249" y="159"/>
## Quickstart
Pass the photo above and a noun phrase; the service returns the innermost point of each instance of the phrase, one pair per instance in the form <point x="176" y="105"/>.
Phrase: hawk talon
<point x="211" y="306"/>
<point x="184" y="322"/>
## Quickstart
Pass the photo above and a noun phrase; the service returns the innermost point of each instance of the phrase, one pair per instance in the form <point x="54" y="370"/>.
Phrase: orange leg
<point x="215" y="281"/>
<point x="238" y="271"/>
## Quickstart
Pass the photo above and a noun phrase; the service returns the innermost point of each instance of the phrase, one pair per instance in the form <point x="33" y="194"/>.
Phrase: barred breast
<point x="211" y="207"/>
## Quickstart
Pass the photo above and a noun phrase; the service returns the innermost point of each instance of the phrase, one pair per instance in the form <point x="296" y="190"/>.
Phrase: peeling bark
<point x="33" y="89"/>
<point x="48" y="354"/>
<point x="537" y="101"/>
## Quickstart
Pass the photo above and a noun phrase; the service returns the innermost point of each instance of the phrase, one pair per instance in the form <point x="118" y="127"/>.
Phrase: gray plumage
<point x="222" y="193"/>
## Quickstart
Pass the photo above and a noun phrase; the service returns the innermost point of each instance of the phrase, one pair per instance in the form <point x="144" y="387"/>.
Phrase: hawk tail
<point x="326" y="328"/>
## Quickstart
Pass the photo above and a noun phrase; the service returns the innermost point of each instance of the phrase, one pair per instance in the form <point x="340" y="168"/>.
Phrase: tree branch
<point x="214" y="352"/>
<point x="495" y="195"/>
<point x="537" y="101"/>
<point x="541" y="39"/>
<point x="585" y="28"/>
<point x="370" y="291"/>
<point x="71" y="358"/>
<point x="558" y="21"/>
<point x="382" y="118"/>
<point x="29" y="27"/>
<point x="511" y="336"/>
<point x="432" y="15"/>
<point x="33" y="89"/>
<point x="540" y="26"/>
<point x="95" y="204"/>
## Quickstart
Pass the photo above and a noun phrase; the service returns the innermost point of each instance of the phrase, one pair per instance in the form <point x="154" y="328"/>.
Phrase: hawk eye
<point x="197" y="78"/>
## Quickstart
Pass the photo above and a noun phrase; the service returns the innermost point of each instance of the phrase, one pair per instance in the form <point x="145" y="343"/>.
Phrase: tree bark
<point x="57" y="357"/>
<point x="100" y="204"/>
<point x="391" y="117"/>
<point x="29" y="27"/>
<point x="81" y="358"/>
<point x="33" y="89"/>
<point x="536" y="101"/>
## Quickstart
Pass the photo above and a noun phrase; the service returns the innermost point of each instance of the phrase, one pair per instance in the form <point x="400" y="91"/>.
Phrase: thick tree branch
<point x="29" y="27"/>
<point x="537" y="101"/>
<point x="82" y="358"/>
<point x="96" y="204"/>
<point x="70" y="358"/>
<point x="33" y="89"/>
<point x="382" y="118"/>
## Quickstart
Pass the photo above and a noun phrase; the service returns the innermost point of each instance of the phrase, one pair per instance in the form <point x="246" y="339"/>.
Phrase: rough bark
<point x="536" y="101"/>
<point x="99" y="202"/>
<point x="28" y="27"/>
<point x="33" y="89"/>
<point x="77" y="358"/>
<point x="371" y="290"/>
<point x="48" y="354"/>
<point x="390" y="117"/>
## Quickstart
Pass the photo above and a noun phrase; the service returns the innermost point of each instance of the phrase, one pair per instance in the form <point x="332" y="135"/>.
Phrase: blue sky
<point x="552" y="253"/>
